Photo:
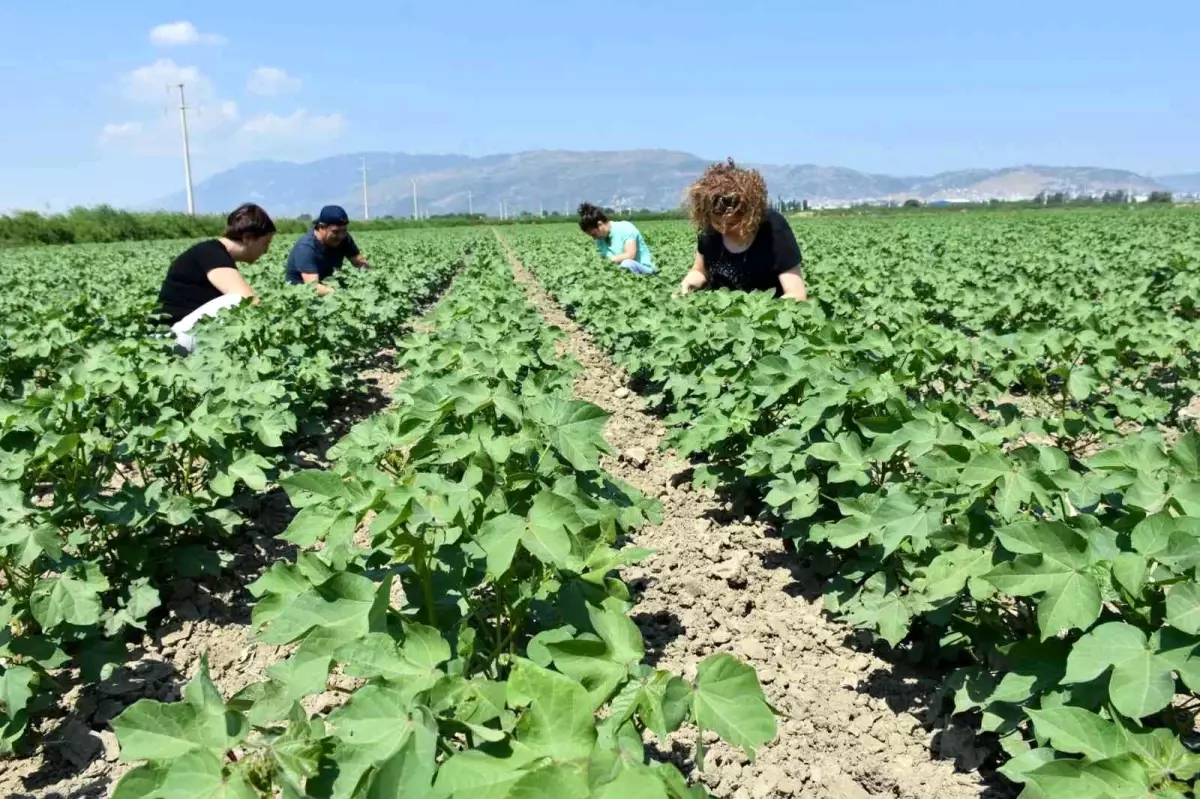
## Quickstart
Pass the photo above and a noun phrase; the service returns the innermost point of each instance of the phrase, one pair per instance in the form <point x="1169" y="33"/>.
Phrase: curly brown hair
<point x="735" y="195"/>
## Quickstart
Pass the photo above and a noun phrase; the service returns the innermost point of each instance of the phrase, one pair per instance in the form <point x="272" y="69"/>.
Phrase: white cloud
<point x="228" y="111"/>
<point x="297" y="126"/>
<point x="182" y="34"/>
<point x="115" y="132"/>
<point x="271" y="81"/>
<point x="210" y="123"/>
<point x="155" y="83"/>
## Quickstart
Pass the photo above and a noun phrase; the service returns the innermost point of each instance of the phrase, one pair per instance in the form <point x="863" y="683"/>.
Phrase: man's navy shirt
<point x="310" y="256"/>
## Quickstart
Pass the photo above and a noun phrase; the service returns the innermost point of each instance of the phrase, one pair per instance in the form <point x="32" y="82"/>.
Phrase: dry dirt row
<point x="851" y="726"/>
<point x="77" y="755"/>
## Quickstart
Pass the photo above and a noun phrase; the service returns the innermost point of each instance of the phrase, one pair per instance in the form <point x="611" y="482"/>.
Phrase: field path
<point x="851" y="728"/>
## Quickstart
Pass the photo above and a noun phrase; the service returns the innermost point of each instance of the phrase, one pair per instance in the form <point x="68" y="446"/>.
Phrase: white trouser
<point x="210" y="308"/>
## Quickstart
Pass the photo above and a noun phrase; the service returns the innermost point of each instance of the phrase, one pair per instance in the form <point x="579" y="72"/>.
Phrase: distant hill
<point x="560" y="179"/>
<point x="1182" y="184"/>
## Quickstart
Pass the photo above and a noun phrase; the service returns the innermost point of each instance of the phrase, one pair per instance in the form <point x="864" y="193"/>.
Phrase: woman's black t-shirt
<point x="186" y="286"/>
<point x="773" y="252"/>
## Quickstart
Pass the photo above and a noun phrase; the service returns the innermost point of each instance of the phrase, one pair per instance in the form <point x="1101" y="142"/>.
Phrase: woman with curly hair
<point x="742" y="244"/>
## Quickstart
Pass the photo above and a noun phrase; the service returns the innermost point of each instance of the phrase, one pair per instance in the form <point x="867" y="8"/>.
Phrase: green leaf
<point x="1183" y="607"/>
<point x="424" y="647"/>
<point x="1119" y="777"/>
<point x="553" y="781"/>
<point x="1079" y="732"/>
<point x="949" y="572"/>
<point x="1153" y="535"/>
<point x="1019" y="766"/>
<point x="379" y="719"/>
<point x="729" y="700"/>
<point x="620" y="635"/>
<point x="545" y="535"/>
<point x="31" y="542"/>
<point x="499" y="537"/>
<point x="313" y="486"/>
<point x="249" y="469"/>
<point x="576" y="432"/>
<point x="633" y="783"/>
<point x="1062" y="573"/>
<point x="310" y="525"/>
<point x="1115" y="778"/>
<point x="139" y="783"/>
<point x="560" y="722"/>
<point x="798" y="500"/>
<point x="72" y="598"/>
<point x="1073" y="604"/>
<point x="16" y="689"/>
<point x="1130" y="569"/>
<point x="900" y="521"/>
<point x="213" y="726"/>
<point x="408" y="774"/>
<point x="985" y="469"/>
<point x="150" y="730"/>
<point x="473" y="774"/>
<point x="1141" y="681"/>
<point x="1082" y="382"/>
<point x="347" y="606"/>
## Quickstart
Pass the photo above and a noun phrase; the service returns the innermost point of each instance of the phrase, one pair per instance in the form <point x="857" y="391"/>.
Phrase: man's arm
<point x="228" y="280"/>
<point x="309" y="266"/>
<point x="792" y="283"/>
<point x="696" y="278"/>
<point x="353" y="254"/>
<point x="313" y="277"/>
<point x="628" y="254"/>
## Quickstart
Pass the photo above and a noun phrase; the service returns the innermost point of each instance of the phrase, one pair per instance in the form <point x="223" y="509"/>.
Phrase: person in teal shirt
<point x="619" y="242"/>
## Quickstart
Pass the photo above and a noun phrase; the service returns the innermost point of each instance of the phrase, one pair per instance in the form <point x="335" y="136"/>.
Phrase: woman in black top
<point x="208" y="271"/>
<point x="742" y="245"/>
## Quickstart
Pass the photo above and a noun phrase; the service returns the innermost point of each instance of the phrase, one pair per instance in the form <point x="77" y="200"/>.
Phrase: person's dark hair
<point x="726" y="190"/>
<point x="248" y="221"/>
<point x="591" y="217"/>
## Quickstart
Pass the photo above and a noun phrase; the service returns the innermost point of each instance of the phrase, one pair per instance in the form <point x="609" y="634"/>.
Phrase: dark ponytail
<point x="591" y="217"/>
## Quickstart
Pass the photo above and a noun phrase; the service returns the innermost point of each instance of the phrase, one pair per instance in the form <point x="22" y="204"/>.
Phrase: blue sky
<point x="903" y="87"/>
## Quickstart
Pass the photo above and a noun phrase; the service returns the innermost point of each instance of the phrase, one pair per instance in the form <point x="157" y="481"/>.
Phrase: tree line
<point x="105" y="224"/>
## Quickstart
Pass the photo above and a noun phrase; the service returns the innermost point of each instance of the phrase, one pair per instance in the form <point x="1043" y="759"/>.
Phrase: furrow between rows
<point x="852" y="725"/>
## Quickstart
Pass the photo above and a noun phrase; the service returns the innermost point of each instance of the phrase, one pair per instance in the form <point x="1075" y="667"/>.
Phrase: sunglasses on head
<point x="726" y="203"/>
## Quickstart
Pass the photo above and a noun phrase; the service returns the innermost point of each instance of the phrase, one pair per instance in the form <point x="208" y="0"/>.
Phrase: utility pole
<point x="470" y="205"/>
<point x="414" y="185"/>
<point x="366" y="199"/>
<point x="187" y="154"/>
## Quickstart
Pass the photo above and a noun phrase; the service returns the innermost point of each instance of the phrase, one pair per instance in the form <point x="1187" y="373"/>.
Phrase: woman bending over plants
<point x="205" y="280"/>
<point x="620" y="243"/>
<point x="742" y="244"/>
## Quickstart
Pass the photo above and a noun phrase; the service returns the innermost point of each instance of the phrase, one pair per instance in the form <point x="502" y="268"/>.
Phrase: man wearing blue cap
<point x="320" y="252"/>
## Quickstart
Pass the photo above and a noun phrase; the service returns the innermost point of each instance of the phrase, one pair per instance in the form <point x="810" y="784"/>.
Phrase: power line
<point x="187" y="154"/>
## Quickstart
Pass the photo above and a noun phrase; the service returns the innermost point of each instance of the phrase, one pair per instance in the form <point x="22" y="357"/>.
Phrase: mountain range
<point x="557" y="180"/>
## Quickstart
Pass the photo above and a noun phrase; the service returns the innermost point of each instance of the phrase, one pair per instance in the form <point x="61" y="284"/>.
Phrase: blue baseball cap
<point x="333" y="215"/>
